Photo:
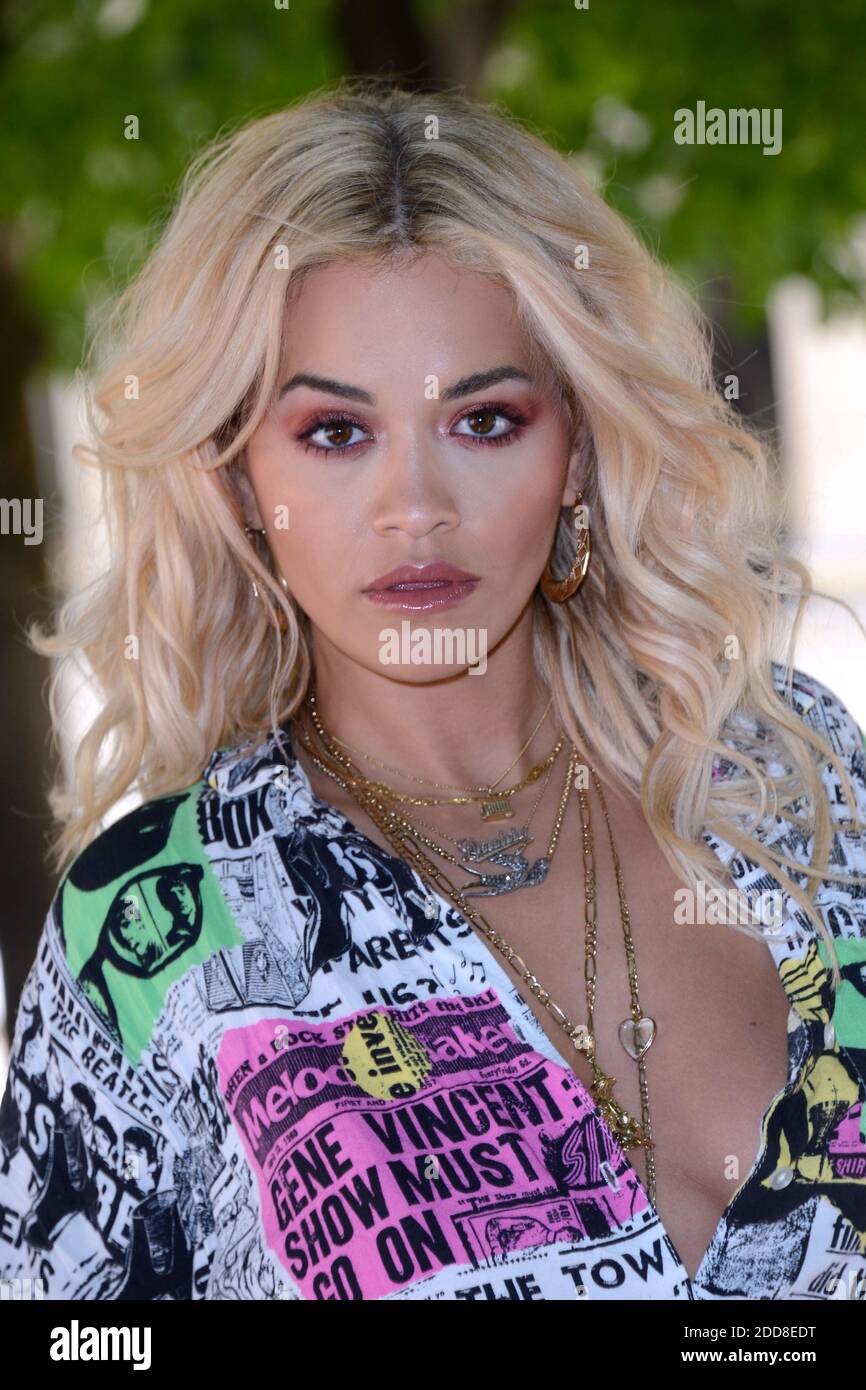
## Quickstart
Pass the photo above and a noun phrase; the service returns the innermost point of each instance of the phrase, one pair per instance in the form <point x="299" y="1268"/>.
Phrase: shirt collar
<point x="234" y="770"/>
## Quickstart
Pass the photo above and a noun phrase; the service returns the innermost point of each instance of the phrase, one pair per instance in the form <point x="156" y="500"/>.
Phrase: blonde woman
<point x="493" y="920"/>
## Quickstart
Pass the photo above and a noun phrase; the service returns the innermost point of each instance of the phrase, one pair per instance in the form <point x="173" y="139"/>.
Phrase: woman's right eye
<point x="337" y="429"/>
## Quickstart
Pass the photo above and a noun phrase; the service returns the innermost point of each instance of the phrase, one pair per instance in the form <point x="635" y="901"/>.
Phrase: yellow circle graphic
<point x="384" y="1058"/>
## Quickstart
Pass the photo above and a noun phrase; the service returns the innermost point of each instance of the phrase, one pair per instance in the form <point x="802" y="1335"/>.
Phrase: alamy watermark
<point x="16" y="518"/>
<point x="712" y="906"/>
<point x="736" y="126"/>
<point x="440" y="646"/>
<point x="76" y="1343"/>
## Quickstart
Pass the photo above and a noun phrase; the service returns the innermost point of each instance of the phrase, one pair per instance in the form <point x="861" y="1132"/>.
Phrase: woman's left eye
<point x="490" y="432"/>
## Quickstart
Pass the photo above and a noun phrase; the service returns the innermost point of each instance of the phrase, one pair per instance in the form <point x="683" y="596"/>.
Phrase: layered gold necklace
<point x="494" y="805"/>
<point x="636" y="1033"/>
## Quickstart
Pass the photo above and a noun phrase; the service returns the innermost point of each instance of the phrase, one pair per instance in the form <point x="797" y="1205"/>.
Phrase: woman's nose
<point x="412" y="492"/>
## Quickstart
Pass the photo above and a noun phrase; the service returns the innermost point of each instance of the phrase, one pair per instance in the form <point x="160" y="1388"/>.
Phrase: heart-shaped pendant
<point x="637" y="1037"/>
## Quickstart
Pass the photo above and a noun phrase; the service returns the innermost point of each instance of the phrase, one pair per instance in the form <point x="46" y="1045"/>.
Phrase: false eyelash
<point x="340" y="417"/>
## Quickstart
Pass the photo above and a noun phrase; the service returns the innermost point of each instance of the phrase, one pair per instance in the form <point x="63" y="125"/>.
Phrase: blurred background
<point x="772" y="244"/>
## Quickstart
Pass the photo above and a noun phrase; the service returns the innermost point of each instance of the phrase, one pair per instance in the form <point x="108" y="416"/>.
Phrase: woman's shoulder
<point x="134" y="909"/>
<point x="787" y="828"/>
<point x="824" y="712"/>
<point x="822" y="708"/>
<point x="149" y="896"/>
<point x="87" y="1124"/>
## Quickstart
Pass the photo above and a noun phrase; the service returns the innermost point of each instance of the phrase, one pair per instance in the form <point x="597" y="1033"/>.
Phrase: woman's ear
<point x="579" y="461"/>
<point x="575" y="479"/>
<point x="580" y="456"/>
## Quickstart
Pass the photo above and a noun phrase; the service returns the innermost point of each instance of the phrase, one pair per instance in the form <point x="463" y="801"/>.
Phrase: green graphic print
<point x="139" y="913"/>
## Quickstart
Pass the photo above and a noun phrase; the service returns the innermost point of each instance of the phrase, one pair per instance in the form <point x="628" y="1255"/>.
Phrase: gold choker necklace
<point x="428" y="781"/>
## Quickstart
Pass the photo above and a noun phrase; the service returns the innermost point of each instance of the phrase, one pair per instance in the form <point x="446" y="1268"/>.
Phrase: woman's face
<point x="389" y="446"/>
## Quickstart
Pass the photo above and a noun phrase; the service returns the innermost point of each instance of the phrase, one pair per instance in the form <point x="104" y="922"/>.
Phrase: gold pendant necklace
<point x="469" y="847"/>
<point x="504" y="850"/>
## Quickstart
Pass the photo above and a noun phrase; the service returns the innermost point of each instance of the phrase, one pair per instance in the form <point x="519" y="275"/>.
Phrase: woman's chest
<point x="720" y="1051"/>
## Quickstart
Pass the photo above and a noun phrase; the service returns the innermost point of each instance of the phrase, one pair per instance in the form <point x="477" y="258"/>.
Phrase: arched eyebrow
<point x="466" y="386"/>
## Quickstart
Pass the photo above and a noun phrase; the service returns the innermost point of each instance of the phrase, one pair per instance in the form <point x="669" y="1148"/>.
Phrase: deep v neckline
<point x="345" y="826"/>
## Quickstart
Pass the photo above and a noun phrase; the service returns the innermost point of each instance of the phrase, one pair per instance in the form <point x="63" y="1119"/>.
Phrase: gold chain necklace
<point x="454" y="840"/>
<point x="494" y="805"/>
<point x="504" y="850"/>
<point x="401" y="835"/>
<point x="428" y="781"/>
<point x="636" y="1033"/>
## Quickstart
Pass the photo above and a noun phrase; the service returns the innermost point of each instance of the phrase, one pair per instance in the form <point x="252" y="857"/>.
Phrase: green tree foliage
<point x="607" y="82"/>
<point x="81" y="203"/>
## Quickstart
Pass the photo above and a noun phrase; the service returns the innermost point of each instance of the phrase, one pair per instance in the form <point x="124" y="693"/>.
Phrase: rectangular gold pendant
<point x="498" y="809"/>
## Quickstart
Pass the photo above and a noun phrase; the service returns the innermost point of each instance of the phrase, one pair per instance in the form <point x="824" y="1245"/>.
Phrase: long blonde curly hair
<point x="686" y="512"/>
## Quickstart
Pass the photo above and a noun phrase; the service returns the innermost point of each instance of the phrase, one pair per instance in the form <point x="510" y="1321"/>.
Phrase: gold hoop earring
<point x="279" y="615"/>
<point x="558" y="590"/>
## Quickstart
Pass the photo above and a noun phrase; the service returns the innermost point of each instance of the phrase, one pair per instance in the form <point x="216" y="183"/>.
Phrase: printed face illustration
<point x="103" y="1145"/>
<point x="82" y="1115"/>
<point x="135" y="935"/>
<point x="156" y="918"/>
<point x="53" y="1075"/>
<point x="138" y="1167"/>
<point x="411" y="426"/>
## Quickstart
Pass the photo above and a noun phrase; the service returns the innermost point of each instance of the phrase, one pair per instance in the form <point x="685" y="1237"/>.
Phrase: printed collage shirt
<point x="256" y="1058"/>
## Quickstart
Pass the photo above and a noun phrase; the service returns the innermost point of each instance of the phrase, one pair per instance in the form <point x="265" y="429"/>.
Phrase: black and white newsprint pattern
<point x="256" y="1058"/>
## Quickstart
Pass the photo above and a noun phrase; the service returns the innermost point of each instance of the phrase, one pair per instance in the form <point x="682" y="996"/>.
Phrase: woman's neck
<point x="463" y="729"/>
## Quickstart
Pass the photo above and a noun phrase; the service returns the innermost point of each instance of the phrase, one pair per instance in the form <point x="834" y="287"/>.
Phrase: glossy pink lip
<point x="420" y="577"/>
<point x="421" y="588"/>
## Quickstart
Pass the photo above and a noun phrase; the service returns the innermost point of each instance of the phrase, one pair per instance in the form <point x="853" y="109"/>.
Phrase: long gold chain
<point x="404" y="838"/>
<point x="637" y="1015"/>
